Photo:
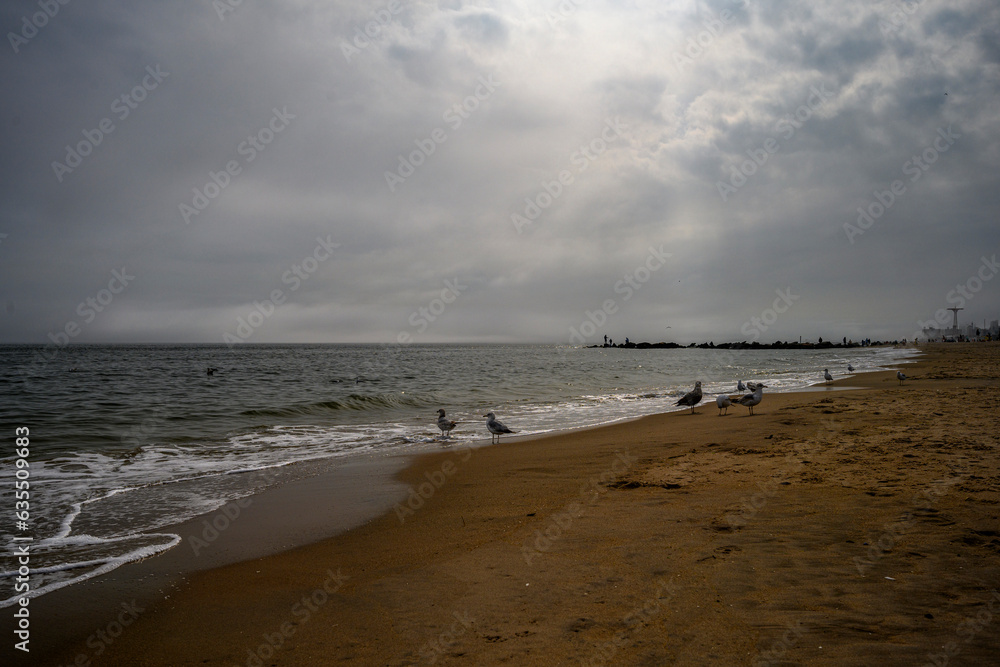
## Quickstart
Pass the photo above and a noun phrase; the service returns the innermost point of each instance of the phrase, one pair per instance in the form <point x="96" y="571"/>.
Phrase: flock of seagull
<point x="495" y="426"/>
<point x="690" y="399"/>
<point x="723" y="401"/>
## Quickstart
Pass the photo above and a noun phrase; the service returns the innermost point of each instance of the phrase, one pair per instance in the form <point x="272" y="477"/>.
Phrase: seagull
<point x="723" y="402"/>
<point x="210" y="371"/>
<point x="445" y="424"/>
<point x="850" y="368"/>
<point x="752" y="386"/>
<point x="740" y="386"/>
<point x="495" y="427"/>
<point x="900" y="376"/>
<point x="753" y="399"/>
<point x="692" y="398"/>
<point x="826" y="374"/>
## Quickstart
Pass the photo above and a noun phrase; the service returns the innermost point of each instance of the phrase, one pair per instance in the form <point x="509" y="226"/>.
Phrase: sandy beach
<point x="855" y="524"/>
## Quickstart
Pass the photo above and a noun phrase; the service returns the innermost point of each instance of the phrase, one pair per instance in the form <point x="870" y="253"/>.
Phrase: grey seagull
<point x="496" y="428"/>
<point x="445" y="424"/>
<point x="692" y="398"/>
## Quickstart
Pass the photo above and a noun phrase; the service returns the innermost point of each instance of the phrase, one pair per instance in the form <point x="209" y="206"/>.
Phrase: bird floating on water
<point x="723" y="402"/>
<point x="692" y="398"/>
<point x="496" y="427"/>
<point x="445" y="424"/>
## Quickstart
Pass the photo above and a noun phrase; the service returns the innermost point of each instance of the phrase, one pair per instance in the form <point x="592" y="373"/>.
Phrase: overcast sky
<point x="496" y="171"/>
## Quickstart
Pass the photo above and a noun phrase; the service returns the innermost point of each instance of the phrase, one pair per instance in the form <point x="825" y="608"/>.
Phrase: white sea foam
<point x="101" y="566"/>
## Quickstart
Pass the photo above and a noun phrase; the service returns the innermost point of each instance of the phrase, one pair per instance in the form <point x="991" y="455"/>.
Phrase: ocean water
<point x="126" y="439"/>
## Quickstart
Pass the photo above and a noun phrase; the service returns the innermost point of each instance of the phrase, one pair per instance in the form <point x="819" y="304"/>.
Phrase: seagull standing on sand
<point x="496" y="427"/>
<point x="740" y="386"/>
<point x="900" y="376"/>
<point x="692" y="398"/>
<point x="850" y="368"/>
<point x="826" y="374"/>
<point x="723" y="402"/>
<point x="753" y="399"/>
<point x="445" y="424"/>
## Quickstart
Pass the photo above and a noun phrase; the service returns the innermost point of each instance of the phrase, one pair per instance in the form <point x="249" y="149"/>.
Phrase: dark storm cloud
<point x="409" y="134"/>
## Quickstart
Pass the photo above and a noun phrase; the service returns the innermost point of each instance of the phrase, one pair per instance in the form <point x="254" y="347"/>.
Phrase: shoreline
<point x="116" y="473"/>
<point x="154" y="577"/>
<point x="342" y="495"/>
<point x="354" y="506"/>
<point x="461" y="475"/>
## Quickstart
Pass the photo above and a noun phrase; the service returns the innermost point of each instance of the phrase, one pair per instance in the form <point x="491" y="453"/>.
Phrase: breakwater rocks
<point x="743" y="345"/>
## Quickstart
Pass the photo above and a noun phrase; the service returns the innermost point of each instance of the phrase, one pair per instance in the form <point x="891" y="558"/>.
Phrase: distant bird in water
<point x="740" y="386"/>
<point x="497" y="428"/>
<point x="900" y="376"/>
<point x="210" y="371"/>
<point x="826" y="374"/>
<point x="692" y="398"/>
<point x="723" y="402"/>
<point x="753" y="399"/>
<point x="850" y="368"/>
<point x="445" y="424"/>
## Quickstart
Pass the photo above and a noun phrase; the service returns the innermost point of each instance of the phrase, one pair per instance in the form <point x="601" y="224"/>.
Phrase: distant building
<point x="968" y="332"/>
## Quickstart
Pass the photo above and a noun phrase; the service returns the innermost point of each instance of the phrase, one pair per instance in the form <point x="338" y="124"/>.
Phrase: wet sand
<point x="833" y="527"/>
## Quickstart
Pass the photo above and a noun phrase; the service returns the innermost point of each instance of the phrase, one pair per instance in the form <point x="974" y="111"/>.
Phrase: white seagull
<point x="445" y="424"/>
<point x="753" y="399"/>
<point x="496" y="428"/>
<point x="692" y="398"/>
<point x="723" y="402"/>
<point x="826" y="374"/>
<point x="740" y="386"/>
<point x="900" y="376"/>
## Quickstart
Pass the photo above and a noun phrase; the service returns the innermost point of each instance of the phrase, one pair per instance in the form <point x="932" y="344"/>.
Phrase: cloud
<point x="476" y="110"/>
